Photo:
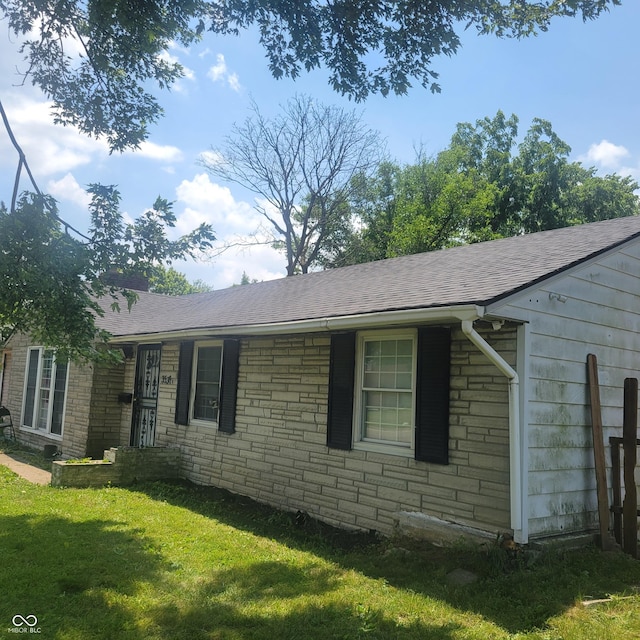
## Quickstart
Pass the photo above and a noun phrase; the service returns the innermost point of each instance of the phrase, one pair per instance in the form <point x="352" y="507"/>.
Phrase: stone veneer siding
<point x="120" y="466"/>
<point x="278" y="454"/>
<point x="105" y="416"/>
<point x="91" y="405"/>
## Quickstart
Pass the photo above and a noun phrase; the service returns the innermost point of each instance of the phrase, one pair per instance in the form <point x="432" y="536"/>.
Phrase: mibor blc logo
<point x="24" y="624"/>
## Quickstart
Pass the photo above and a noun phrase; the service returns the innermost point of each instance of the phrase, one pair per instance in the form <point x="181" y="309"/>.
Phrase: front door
<point x="145" y="397"/>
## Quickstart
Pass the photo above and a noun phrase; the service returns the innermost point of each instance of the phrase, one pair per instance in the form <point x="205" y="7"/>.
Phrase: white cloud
<point x="612" y="158"/>
<point x="231" y="219"/>
<point x="234" y="82"/>
<point x="606" y="154"/>
<point x="207" y="201"/>
<point x="67" y="188"/>
<point x="258" y="262"/>
<point x="210" y="158"/>
<point x="162" y="153"/>
<point x="49" y="149"/>
<point x="220" y="73"/>
<point x="218" y="70"/>
<point x="187" y="73"/>
<point x="175" y="46"/>
<point x="634" y="172"/>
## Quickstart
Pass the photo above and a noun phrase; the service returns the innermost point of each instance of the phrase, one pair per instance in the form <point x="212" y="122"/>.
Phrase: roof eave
<point x="428" y="315"/>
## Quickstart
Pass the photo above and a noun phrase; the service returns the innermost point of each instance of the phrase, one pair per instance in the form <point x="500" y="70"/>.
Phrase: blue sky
<point x="582" y="77"/>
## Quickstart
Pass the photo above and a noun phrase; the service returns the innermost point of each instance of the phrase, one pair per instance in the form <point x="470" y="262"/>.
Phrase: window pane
<point x="58" y="398"/>
<point x="388" y="347"/>
<point x="47" y="368"/>
<point x="373" y="348"/>
<point x="44" y="396"/>
<point x="387" y="380"/>
<point x="403" y="381"/>
<point x="387" y="417"/>
<point x="372" y="380"/>
<point x="43" y="409"/>
<point x="388" y="364"/>
<point x="404" y="435"/>
<point x="32" y="383"/>
<point x="207" y="384"/>
<point x="405" y="348"/>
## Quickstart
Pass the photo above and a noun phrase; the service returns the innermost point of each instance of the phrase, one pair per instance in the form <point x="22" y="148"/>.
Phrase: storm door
<point x="145" y="397"/>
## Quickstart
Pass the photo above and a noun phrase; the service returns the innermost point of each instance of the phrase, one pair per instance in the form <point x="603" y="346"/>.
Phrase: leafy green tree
<point x="53" y="284"/>
<point x="484" y="185"/>
<point x="373" y="46"/>
<point x="174" y="283"/>
<point x="373" y="210"/>
<point x="596" y="198"/>
<point x="245" y="279"/>
<point x="486" y="149"/>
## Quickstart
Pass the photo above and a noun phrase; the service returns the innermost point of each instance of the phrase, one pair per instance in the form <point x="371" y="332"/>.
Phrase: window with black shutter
<point x="207" y="383"/>
<point x="389" y="392"/>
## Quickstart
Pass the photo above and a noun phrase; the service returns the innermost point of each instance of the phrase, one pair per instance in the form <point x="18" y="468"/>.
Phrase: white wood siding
<point x="594" y="308"/>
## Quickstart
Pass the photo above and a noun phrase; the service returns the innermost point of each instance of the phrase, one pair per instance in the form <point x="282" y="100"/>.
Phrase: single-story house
<point x="448" y="386"/>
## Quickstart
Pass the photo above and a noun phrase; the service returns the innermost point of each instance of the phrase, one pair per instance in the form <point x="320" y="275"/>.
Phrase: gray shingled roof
<point x="472" y="274"/>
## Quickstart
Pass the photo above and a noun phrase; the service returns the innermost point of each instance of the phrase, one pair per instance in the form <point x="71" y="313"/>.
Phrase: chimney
<point x="134" y="282"/>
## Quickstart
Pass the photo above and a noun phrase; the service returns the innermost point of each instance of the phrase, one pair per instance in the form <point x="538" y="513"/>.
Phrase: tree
<point x="245" y="279"/>
<point x="484" y="185"/>
<point x="173" y="283"/>
<point x="373" y="46"/>
<point x="301" y="163"/>
<point x="53" y="284"/>
<point x="53" y="277"/>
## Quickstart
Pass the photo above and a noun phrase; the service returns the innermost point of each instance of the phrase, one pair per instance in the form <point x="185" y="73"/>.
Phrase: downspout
<point x="515" y="462"/>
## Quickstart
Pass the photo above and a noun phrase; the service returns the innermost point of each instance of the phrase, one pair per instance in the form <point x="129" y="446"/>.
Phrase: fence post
<point x="600" y="463"/>
<point x="629" y="443"/>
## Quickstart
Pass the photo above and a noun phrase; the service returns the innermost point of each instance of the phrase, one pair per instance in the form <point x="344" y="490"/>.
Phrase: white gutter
<point x="515" y="460"/>
<point x="466" y="314"/>
<point x="341" y="323"/>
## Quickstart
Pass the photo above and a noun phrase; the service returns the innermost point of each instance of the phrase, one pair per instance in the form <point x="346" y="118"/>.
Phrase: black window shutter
<point x="185" y="362"/>
<point x="341" y="380"/>
<point x="229" y="386"/>
<point x="432" y="397"/>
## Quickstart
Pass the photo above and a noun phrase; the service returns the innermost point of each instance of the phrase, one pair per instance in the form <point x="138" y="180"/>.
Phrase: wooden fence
<point x="625" y="510"/>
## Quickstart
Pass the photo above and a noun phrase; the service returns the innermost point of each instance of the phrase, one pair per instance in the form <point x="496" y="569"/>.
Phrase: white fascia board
<point x="496" y="308"/>
<point x="429" y="315"/>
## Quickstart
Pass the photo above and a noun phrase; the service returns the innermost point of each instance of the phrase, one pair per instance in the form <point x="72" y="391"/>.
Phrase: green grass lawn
<point x="169" y="562"/>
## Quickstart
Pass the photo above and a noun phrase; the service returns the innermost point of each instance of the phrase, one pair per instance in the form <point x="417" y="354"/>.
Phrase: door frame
<point x="145" y="395"/>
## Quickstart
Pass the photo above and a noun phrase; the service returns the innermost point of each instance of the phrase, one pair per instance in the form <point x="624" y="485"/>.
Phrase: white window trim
<point x="2" y="374"/>
<point x="379" y="447"/>
<point x="194" y="372"/>
<point x="44" y="432"/>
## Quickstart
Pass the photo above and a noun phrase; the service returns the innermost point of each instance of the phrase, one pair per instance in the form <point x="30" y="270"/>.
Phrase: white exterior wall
<point x="592" y="309"/>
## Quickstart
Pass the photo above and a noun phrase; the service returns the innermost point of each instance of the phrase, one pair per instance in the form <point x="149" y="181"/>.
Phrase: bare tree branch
<point x="302" y="163"/>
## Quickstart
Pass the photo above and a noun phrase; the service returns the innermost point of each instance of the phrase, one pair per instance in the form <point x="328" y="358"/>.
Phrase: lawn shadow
<point x="519" y="597"/>
<point x="264" y="601"/>
<point x="102" y="578"/>
<point x="73" y="576"/>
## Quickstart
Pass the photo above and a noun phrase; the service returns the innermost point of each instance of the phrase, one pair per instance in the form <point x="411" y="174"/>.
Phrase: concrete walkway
<point x="25" y="470"/>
